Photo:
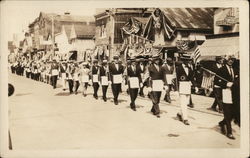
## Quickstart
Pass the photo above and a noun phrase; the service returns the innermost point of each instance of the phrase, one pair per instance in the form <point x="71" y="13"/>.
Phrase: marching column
<point x="185" y="77"/>
<point x="104" y="78"/>
<point x="116" y="71"/>
<point x="94" y="72"/>
<point x="134" y="82"/>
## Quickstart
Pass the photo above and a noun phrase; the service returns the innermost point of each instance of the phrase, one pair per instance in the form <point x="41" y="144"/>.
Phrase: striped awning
<point x="220" y="47"/>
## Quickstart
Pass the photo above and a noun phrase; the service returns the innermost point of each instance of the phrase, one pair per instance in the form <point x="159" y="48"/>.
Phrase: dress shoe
<point x="191" y="105"/>
<point x="76" y="93"/>
<point x="222" y="128"/>
<point x="212" y="109"/>
<point x="134" y="109"/>
<point x="158" y="115"/>
<point x="179" y="117"/>
<point x="104" y="99"/>
<point x="116" y="102"/>
<point x="230" y="136"/>
<point x="186" y="122"/>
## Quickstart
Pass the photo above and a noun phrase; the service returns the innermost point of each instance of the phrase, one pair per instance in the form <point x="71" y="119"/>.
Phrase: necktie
<point x="231" y="72"/>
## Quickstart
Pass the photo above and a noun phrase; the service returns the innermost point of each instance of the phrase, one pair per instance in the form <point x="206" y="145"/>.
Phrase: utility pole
<point x="52" y="36"/>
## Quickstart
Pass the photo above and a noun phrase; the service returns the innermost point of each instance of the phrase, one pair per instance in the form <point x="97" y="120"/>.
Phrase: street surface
<point x="45" y="118"/>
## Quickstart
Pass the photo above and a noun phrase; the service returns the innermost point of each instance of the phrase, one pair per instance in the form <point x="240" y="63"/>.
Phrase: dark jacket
<point x="182" y="76"/>
<point x="224" y="73"/>
<point x="114" y="71"/>
<point x="135" y="73"/>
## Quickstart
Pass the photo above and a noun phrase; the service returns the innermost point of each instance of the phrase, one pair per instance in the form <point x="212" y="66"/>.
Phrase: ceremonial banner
<point x="95" y="78"/>
<point x="185" y="87"/>
<point x="104" y="80"/>
<point x="55" y="72"/>
<point x="134" y="82"/>
<point x="227" y="96"/>
<point x="157" y="85"/>
<point x="117" y="79"/>
<point x="85" y="78"/>
<point x="169" y="78"/>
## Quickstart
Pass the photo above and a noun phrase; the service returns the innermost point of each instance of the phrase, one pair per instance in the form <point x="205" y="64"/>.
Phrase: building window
<point x="103" y="31"/>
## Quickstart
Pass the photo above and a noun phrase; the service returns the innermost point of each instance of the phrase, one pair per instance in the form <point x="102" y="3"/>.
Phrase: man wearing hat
<point x="134" y="82"/>
<point x="116" y="71"/>
<point x="95" y="79"/>
<point x="228" y="76"/>
<point x="156" y="83"/>
<point x="69" y="75"/>
<point x="63" y="68"/>
<point x="217" y="89"/>
<point x="104" y="78"/>
<point x="54" y="73"/>
<point x="185" y="77"/>
<point x="142" y="70"/>
<point x="168" y="70"/>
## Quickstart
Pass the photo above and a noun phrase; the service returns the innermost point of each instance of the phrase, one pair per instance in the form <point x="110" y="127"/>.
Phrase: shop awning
<point x="220" y="47"/>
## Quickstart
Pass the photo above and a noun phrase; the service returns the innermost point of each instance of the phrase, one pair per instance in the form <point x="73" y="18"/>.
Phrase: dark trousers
<point x="228" y="117"/>
<point x="155" y="97"/>
<point x="28" y="74"/>
<point x="32" y="75"/>
<point x="96" y="87"/>
<point x="71" y="85"/>
<point x="167" y="95"/>
<point x="54" y="81"/>
<point x="116" y="89"/>
<point x="141" y="90"/>
<point x="133" y="95"/>
<point x="12" y="69"/>
<point x="218" y="98"/>
<point x="104" y="92"/>
<point x="77" y="84"/>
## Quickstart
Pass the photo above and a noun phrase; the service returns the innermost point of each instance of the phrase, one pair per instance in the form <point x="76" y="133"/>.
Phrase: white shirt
<point x="218" y="65"/>
<point x="185" y="68"/>
<point x="116" y="66"/>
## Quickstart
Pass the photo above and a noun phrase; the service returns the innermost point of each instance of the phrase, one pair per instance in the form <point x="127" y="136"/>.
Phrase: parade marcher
<point x="69" y="75"/>
<point x="104" y="78"/>
<point x="48" y="74"/>
<point x="168" y="70"/>
<point x="185" y="77"/>
<point x="76" y="75"/>
<point x="27" y="70"/>
<point x="217" y="89"/>
<point x="229" y="74"/>
<point x="63" y="68"/>
<point x="116" y="72"/>
<point x="95" y="79"/>
<point x="142" y="69"/>
<point x="156" y="84"/>
<point x="35" y="72"/>
<point x="54" y="73"/>
<point x="134" y="82"/>
<point x="84" y="73"/>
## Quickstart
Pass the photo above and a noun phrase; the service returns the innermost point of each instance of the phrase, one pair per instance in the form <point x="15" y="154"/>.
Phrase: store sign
<point x="228" y="21"/>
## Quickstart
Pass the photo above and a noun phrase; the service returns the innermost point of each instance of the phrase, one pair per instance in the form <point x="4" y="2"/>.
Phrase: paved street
<point x="45" y="118"/>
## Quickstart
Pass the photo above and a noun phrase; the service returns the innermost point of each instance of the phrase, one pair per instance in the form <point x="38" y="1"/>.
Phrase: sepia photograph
<point x="124" y="79"/>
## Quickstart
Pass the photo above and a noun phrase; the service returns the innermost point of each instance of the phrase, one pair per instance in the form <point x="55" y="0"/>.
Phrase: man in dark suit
<point x="116" y="71"/>
<point x="156" y="83"/>
<point x="142" y="70"/>
<point x="134" y="82"/>
<point x="185" y="77"/>
<point x="54" y="73"/>
<point x="94" y="72"/>
<point x="168" y="70"/>
<point x="217" y="89"/>
<point x="229" y="74"/>
<point x="104" y="76"/>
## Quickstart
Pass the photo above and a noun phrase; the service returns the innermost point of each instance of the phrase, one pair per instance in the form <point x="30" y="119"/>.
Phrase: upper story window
<point x="103" y="31"/>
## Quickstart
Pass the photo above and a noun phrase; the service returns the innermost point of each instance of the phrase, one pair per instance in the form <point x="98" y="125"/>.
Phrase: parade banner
<point x="134" y="82"/>
<point x="227" y="96"/>
<point x="117" y="79"/>
<point x="157" y="85"/>
<point x="95" y="78"/>
<point x="85" y="78"/>
<point x="104" y="80"/>
<point x="185" y="87"/>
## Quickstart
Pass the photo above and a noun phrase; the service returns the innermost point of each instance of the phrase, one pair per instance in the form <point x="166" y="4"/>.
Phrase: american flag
<point x="196" y="54"/>
<point x="207" y="80"/>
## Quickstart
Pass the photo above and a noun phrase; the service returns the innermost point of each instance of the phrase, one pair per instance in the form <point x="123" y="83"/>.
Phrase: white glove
<point x="196" y="89"/>
<point x="166" y="88"/>
<point x="229" y="84"/>
<point x="110" y="82"/>
<point x="210" y="89"/>
<point x="141" y="85"/>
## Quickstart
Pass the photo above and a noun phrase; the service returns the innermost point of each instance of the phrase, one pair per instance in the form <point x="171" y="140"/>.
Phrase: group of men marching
<point x="154" y="73"/>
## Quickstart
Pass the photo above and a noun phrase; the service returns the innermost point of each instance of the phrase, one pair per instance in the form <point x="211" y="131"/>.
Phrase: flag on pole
<point x="207" y="80"/>
<point x="196" y="54"/>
